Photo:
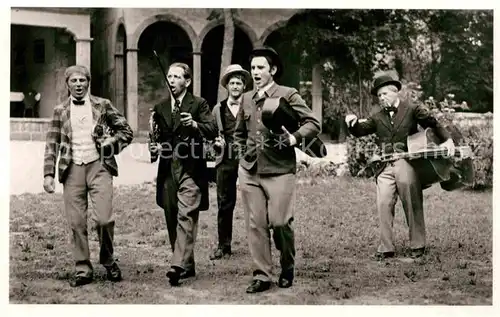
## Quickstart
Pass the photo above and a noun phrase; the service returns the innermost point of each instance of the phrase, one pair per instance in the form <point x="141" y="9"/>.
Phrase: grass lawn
<point x="336" y="236"/>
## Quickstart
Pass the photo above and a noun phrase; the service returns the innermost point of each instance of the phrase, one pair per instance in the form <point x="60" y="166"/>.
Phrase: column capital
<point x="83" y="39"/>
<point x="197" y="53"/>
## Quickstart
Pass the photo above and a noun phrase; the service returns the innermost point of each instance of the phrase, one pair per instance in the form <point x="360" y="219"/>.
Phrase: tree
<point x="227" y="44"/>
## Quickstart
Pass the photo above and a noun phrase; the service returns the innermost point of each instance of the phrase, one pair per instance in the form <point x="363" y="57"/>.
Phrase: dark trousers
<point x="227" y="174"/>
<point x="182" y="198"/>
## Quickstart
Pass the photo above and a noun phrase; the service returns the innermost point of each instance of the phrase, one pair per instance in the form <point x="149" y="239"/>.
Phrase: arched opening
<point x="291" y="75"/>
<point x="39" y="57"/>
<point x="211" y="59"/>
<point x="120" y="97"/>
<point x="172" y="44"/>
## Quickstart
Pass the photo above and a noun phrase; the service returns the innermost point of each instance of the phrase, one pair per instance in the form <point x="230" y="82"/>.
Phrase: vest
<point x="82" y="143"/>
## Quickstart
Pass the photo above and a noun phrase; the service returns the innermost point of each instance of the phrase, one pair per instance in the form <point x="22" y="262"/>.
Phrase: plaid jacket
<point x="58" y="140"/>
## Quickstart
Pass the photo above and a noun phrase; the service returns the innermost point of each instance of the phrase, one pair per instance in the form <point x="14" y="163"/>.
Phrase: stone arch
<point x="273" y="27"/>
<point x="248" y="30"/>
<point x="133" y="39"/>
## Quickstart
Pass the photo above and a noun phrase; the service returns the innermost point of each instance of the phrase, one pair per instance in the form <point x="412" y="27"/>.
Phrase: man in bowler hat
<point x="267" y="170"/>
<point x="236" y="80"/>
<point x="393" y="120"/>
<point x="86" y="168"/>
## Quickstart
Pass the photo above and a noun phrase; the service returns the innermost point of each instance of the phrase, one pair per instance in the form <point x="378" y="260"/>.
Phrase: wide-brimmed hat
<point x="384" y="80"/>
<point x="272" y="54"/>
<point x="235" y="69"/>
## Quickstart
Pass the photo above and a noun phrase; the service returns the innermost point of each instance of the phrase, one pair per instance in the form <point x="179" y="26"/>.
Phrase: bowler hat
<point x="272" y="54"/>
<point x="235" y="69"/>
<point x="277" y="112"/>
<point x="384" y="80"/>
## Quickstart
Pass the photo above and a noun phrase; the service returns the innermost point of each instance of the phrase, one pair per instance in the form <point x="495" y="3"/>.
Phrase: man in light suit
<point x="182" y="183"/>
<point x="235" y="79"/>
<point x="86" y="167"/>
<point x="393" y="120"/>
<point x="267" y="170"/>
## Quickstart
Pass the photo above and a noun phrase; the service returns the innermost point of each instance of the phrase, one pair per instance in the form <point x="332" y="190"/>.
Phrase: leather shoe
<point x="416" y="253"/>
<point x="284" y="282"/>
<point x="258" y="286"/>
<point x="80" y="280"/>
<point x="114" y="274"/>
<point x="174" y="275"/>
<point x="220" y="253"/>
<point x="383" y="255"/>
<point x="187" y="274"/>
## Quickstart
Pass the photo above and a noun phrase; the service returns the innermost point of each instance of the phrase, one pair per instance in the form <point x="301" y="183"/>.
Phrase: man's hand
<point x="351" y="120"/>
<point x="290" y="138"/>
<point x="450" y="146"/>
<point x="187" y="120"/>
<point x="49" y="184"/>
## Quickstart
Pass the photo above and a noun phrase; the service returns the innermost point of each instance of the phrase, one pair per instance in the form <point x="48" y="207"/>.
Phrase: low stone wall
<point x="29" y="129"/>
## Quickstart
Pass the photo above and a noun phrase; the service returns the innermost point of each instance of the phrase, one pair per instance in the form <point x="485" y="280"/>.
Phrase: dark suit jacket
<point x="58" y="142"/>
<point x="392" y="134"/>
<point x="260" y="146"/>
<point x="191" y="151"/>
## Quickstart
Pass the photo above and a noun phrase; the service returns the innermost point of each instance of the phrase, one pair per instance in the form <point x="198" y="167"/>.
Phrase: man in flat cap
<point x="267" y="170"/>
<point x="236" y="80"/>
<point x="393" y="120"/>
<point x="86" y="168"/>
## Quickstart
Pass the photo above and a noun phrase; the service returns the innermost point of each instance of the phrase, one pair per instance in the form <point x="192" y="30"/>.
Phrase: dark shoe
<point x="80" y="280"/>
<point x="174" y="275"/>
<point x="258" y="286"/>
<point x="379" y="256"/>
<point x="220" y="253"/>
<point x="187" y="274"/>
<point x="286" y="279"/>
<point x="113" y="273"/>
<point x="416" y="253"/>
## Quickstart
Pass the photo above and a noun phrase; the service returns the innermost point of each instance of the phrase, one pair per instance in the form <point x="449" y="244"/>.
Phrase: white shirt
<point x="264" y="89"/>
<point x="82" y="123"/>
<point x="234" y="108"/>
<point x="172" y="101"/>
<point x="396" y="104"/>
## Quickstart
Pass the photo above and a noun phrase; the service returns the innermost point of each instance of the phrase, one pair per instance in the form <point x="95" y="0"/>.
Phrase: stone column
<point x="83" y="51"/>
<point x="197" y="73"/>
<point x="316" y="91"/>
<point x="132" y="110"/>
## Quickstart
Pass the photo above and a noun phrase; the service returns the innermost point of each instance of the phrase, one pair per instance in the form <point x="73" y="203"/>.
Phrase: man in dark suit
<point x="235" y="79"/>
<point x="267" y="170"/>
<point x="393" y="121"/>
<point x="86" y="167"/>
<point x="182" y="183"/>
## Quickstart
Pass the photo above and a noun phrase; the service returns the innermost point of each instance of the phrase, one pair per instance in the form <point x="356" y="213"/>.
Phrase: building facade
<point x="117" y="45"/>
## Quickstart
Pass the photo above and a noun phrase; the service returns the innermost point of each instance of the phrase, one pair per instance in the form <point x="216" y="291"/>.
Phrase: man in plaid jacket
<point x="86" y="167"/>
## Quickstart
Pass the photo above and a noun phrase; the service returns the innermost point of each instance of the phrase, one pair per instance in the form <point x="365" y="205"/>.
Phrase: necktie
<point x="177" y="105"/>
<point x="78" y="102"/>
<point x="391" y="108"/>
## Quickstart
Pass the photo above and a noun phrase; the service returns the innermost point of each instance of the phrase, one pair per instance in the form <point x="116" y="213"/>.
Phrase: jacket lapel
<point x="385" y="119"/>
<point x="97" y="111"/>
<point x="164" y="109"/>
<point x="66" y="118"/>
<point x="187" y="103"/>
<point x="400" y="115"/>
